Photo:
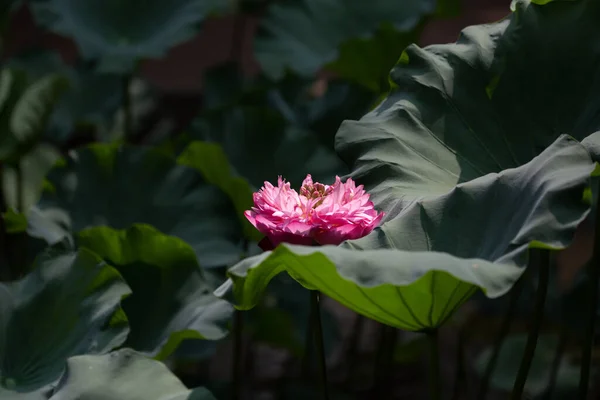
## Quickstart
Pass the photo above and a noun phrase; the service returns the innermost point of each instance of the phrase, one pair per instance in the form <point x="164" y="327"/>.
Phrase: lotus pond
<point x="334" y="210"/>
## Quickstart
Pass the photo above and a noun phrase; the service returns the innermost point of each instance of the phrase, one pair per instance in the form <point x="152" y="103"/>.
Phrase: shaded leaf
<point x="35" y="106"/>
<point x="90" y="99"/>
<point x="368" y="61"/>
<point x="261" y="145"/>
<point x="13" y="84"/>
<point x="118" y="186"/>
<point x="119" y="34"/>
<point x="68" y="305"/>
<point x="34" y="165"/>
<point x="305" y="35"/>
<point x="211" y="161"/>
<point x="171" y="299"/>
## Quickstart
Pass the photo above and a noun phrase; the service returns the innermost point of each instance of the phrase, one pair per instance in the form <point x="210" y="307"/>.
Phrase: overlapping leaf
<point x="68" y="305"/>
<point x="261" y="145"/>
<point x="117" y="186"/>
<point x="211" y="161"/>
<point x="171" y="299"/>
<point x="305" y="35"/>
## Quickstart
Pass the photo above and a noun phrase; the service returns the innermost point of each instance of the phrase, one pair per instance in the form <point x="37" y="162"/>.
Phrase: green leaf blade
<point x="61" y="309"/>
<point x="171" y="299"/>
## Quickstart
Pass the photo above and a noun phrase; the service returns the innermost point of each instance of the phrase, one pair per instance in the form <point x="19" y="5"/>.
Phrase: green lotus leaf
<point x="68" y="305"/>
<point x="305" y="35"/>
<point x="117" y="186"/>
<point x="411" y="278"/>
<point x="118" y="33"/>
<point x="397" y="288"/>
<point x="171" y="299"/>
<point x="466" y="155"/>
<point x="123" y="374"/>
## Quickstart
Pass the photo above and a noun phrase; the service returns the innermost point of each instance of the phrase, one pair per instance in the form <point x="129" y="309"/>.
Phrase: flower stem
<point x="434" y="365"/>
<point x="238" y="325"/>
<point x="594" y="280"/>
<point x="538" y="314"/>
<point x="318" y="339"/>
<point x="514" y="294"/>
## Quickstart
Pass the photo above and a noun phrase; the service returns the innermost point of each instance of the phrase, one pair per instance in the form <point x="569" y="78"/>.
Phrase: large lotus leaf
<point x="118" y="186"/>
<point x="119" y="33"/>
<point x="123" y="374"/>
<point x="171" y="299"/>
<point x="68" y="305"/>
<point x="424" y="275"/>
<point x="459" y="113"/>
<point x="491" y="101"/>
<point x="304" y="35"/>
<point x="397" y="288"/>
<point x="261" y="145"/>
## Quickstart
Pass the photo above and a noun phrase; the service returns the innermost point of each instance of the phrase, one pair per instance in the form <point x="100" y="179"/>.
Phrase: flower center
<point x="315" y="191"/>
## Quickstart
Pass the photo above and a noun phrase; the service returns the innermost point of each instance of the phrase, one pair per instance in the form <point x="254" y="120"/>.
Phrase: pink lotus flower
<point x="320" y="214"/>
